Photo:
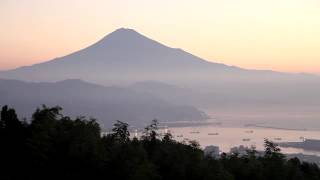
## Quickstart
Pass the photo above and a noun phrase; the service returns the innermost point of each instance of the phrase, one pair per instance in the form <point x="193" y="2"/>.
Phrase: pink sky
<point x="256" y="34"/>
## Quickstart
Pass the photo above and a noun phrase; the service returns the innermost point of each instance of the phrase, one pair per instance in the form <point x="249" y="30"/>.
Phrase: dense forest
<point x="54" y="146"/>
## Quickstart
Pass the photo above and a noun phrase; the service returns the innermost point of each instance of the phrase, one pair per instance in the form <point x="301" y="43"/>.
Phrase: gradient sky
<point x="282" y="35"/>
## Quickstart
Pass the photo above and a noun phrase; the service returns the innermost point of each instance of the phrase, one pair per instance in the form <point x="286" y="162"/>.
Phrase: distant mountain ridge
<point x="108" y="104"/>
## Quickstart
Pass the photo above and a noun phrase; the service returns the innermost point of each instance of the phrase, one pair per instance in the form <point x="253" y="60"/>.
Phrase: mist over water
<point x="271" y="116"/>
<point x="229" y="137"/>
<point x="250" y="127"/>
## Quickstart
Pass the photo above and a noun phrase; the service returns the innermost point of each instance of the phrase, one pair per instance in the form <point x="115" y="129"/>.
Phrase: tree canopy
<point x="54" y="146"/>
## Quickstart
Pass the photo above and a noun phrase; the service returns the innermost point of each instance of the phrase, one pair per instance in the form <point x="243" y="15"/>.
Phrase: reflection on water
<point x="228" y="137"/>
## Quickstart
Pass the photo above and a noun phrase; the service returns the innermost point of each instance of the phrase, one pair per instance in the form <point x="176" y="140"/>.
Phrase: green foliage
<point x="54" y="146"/>
<point x="150" y="132"/>
<point x="120" y="132"/>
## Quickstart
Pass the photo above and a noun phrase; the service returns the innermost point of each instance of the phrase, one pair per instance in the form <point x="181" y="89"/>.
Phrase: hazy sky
<point x="282" y="35"/>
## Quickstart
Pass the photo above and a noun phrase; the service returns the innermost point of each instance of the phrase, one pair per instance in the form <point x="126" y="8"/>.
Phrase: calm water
<point x="227" y="137"/>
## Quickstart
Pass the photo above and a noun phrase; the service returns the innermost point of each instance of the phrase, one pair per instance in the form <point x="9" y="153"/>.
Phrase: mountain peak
<point x="125" y="30"/>
<point x="127" y="40"/>
<point x="123" y="33"/>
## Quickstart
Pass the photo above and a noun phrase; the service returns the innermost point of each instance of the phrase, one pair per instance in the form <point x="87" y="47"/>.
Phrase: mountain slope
<point x="122" y="56"/>
<point x="105" y="103"/>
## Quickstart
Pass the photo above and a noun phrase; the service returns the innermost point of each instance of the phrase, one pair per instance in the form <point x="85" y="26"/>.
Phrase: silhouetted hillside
<point x="106" y="103"/>
<point x="168" y="92"/>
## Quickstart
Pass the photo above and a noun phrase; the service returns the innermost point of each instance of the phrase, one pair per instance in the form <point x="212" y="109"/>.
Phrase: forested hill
<point x="54" y="146"/>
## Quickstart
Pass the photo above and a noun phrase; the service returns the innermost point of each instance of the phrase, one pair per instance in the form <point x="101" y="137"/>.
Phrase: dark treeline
<point x="54" y="146"/>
